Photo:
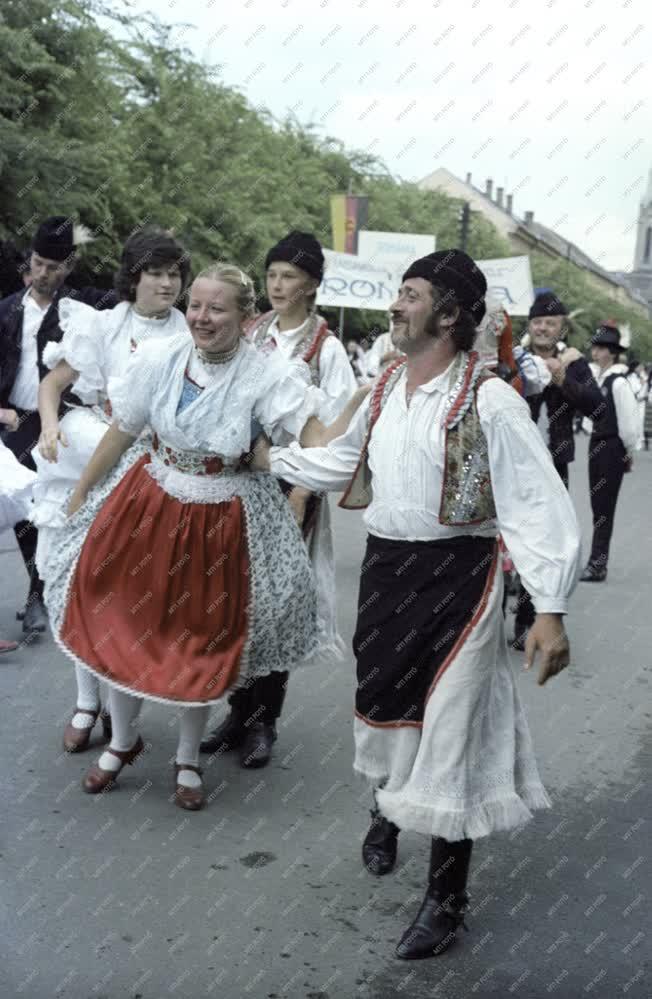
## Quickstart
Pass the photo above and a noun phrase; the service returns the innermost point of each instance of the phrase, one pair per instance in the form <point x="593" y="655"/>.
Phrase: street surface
<point x="262" y="893"/>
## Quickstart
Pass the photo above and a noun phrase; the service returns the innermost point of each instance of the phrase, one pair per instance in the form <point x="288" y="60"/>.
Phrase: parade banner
<point x="394" y="250"/>
<point x="510" y="283"/>
<point x="354" y="283"/>
<point x="348" y="215"/>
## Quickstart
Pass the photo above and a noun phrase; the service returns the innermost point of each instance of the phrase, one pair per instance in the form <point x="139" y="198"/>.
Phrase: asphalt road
<point x="262" y="894"/>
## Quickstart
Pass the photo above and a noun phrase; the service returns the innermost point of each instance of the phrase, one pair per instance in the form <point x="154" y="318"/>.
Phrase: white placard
<point x="510" y="283"/>
<point x="355" y="283"/>
<point x="394" y="250"/>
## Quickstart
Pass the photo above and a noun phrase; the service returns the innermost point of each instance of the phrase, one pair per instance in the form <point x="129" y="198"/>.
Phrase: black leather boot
<point x="230" y="733"/>
<point x="267" y="697"/>
<point x="445" y="903"/>
<point x="380" y="845"/>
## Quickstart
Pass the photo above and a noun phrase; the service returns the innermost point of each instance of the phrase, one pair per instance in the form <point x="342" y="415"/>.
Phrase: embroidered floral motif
<point x="189" y="462"/>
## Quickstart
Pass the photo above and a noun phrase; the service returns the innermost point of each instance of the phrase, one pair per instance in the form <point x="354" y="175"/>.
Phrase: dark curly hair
<point x="463" y="333"/>
<point x="146" y="249"/>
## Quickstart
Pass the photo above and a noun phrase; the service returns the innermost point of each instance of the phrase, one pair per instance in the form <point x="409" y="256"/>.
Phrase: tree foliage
<point x="107" y="119"/>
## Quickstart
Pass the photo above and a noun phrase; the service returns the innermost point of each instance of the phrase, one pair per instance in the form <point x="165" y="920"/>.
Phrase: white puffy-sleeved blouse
<point x="251" y="387"/>
<point x="406" y="457"/>
<point x="98" y="345"/>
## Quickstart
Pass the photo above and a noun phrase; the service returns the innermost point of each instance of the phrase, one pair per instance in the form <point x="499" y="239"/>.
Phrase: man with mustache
<point x="28" y="320"/>
<point x="444" y="455"/>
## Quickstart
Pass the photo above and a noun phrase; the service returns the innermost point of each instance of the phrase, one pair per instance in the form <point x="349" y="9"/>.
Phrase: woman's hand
<point x="77" y="499"/>
<point x="298" y="498"/>
<point x="48" y="441"/>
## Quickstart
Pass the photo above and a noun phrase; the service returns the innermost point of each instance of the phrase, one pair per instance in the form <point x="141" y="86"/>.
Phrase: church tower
<point x="641" y="276"/>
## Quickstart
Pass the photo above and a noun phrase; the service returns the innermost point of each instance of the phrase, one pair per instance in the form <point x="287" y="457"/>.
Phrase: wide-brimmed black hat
<point x="455" y="271"/>
<point x="300" y="249"/>
<point x="547" y="304"/>
<point x="54" y="238"/>
<point x="606" y="335"/>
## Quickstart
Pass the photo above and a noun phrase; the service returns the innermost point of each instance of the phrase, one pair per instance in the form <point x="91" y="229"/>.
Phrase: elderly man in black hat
<point x="611" y="448"/>
<point x="572" y="387"/>
<point x="443" y="454"/>
<point x="28" y="320"/>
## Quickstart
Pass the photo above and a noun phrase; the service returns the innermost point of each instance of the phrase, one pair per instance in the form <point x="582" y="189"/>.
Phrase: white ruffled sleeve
<point x="287" y="399"/>
<point x="131" y="392"/>
<point x="534" y="511"/>
<point x="82" y="346"/>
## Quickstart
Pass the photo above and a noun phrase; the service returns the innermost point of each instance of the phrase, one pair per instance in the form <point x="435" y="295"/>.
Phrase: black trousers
<point x="525" y="612"/>
<point x="606" y="470"/>
<point x="263" y="699"/>
<point x="21" y="442"/>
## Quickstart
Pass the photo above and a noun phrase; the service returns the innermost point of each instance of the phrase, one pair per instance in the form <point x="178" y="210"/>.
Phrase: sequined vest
<point x="308" y="348"/>
<point x="466" y="496"/>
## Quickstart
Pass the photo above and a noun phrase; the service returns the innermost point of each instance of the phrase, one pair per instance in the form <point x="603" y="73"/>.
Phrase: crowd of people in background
<point x="166" y="454"/>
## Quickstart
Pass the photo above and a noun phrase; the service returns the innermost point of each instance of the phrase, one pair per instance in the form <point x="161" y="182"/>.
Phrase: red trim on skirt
<point x="158" y="602"/>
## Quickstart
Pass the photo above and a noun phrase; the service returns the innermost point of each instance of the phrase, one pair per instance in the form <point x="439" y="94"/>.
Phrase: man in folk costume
<point x="571" y="387"/>
<point x="613" y="440"/>
<point x="29" y="319"/>
<point x="294" y="268"/>
<point x="444" y="455"/>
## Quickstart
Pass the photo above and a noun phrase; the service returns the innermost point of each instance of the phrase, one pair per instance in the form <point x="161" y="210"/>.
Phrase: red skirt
<point x="158" y="601"/>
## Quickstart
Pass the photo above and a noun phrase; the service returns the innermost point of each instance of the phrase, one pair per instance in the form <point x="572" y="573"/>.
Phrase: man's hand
<point x="570" y="354"/>
<point x="10" y="418"/>
<point x="260" y="454"/>
<point x="48" y="441"/>
<point x="548" y="636"/>
<point x="556" y="369"/>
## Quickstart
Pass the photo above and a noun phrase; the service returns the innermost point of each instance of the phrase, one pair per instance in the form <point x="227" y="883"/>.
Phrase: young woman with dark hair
<point x="95" y="350"/>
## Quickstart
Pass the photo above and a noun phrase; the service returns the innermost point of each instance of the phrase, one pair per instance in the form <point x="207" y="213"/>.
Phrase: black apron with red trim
<point x="417" y="600"/>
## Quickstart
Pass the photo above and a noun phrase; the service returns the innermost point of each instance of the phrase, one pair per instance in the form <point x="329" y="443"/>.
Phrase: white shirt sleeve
<point x="626" y="413"/>
<point x="534" y="511"/>
<point x="323" y="469"/>
<point x="287" y="400"/>
<point x="336" y="380"/>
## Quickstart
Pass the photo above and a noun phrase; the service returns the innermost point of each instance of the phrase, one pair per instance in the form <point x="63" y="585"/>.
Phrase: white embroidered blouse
<point x="218" y="422"/>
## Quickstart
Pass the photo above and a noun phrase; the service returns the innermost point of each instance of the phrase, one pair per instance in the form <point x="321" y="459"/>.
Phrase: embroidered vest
<point x="466" y="496"/>
<point x="308" y="348"/>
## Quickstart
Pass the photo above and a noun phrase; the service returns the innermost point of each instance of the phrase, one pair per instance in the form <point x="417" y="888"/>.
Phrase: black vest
<point x="605" y="422"/>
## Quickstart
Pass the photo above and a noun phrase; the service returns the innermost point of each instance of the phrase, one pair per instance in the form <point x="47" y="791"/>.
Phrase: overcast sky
<point x="550" y="98"/>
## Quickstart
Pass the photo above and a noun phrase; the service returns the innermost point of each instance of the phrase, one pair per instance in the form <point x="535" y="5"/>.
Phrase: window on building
<point x="648" y="245"/>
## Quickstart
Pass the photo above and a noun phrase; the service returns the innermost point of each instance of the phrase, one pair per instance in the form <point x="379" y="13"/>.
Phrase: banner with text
<point x="394" y="250"/>
<point x="354" y="283"/>
<point x="510" y="283"/>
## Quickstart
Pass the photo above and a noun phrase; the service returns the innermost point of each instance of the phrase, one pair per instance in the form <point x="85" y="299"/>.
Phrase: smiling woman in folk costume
<point x="183" y="575"/>
<point x="95" y="350"/>
<point x="444" y="455"/>
<point x="294" y="269"/>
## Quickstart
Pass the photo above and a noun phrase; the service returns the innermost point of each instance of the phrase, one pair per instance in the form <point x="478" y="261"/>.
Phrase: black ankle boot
<point x="265" y="706"/>
<point x="380" y="845"/>
<point x="445" y="903"/>
<point x="230" y="734"/>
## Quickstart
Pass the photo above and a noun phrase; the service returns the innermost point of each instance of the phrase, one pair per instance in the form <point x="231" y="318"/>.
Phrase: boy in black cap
<point x="611" y="448"/>
<point x="294" y="268"/>
<point x="444" y="455"/>
<point x="28" y="320"/>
